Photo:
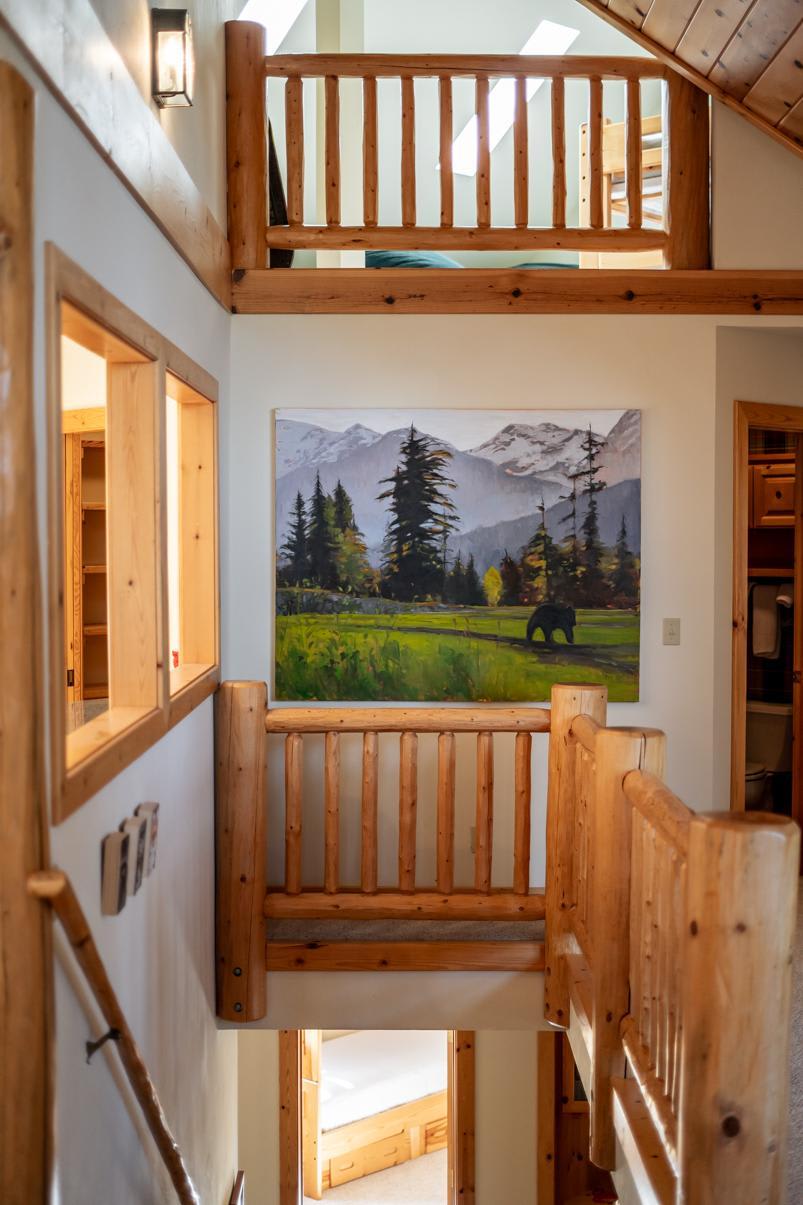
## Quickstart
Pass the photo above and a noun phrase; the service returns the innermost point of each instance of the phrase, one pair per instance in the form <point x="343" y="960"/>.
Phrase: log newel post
<point x="617" y="752"/>
<point x="240" y="842"/>
<point x="246" y="144"/>
<point x="686" y="155"/>
<point x="567" y="703"/>
<point x="739" y="933"/>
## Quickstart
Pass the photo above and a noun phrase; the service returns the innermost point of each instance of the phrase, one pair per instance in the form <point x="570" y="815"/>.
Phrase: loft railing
<point x="683" y="241"/>
<point x="669" y="940"/>
<point x="54" y="888"/>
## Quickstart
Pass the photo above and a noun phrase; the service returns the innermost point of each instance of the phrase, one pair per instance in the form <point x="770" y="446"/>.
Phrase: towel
<point x="786" y="595"/>
<point x="766" y="628"/>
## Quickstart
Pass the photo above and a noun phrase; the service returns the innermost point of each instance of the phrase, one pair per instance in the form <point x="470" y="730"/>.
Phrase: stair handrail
<point x="53" y="887"/>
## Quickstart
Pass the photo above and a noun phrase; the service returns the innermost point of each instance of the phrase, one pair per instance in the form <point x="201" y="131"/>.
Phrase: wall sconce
<point x="172" y="58"/>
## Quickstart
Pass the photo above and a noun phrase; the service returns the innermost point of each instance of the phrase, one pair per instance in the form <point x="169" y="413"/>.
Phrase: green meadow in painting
<point x="458" y="556"/>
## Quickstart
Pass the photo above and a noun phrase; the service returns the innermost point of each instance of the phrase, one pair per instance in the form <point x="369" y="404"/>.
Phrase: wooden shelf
<point x="95" y="629"/>
<point x="783" y="573"/>
<point x="96" y="690"/>
<point x="93" y="568"/>
<point x="93" y="506"/>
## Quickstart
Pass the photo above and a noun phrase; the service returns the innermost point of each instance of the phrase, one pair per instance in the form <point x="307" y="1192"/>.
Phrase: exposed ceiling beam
<point x="672" y="60"/>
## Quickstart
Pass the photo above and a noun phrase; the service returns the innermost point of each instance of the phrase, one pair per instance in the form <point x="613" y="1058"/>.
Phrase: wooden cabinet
<point x="85" y="593"/>
<point x="772" y="489"/>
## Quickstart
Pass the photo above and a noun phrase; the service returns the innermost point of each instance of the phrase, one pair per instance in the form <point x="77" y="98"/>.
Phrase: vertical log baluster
<point x="636" y="912"/>
<point x="595" y="153"/>
<point x="558" y="153"/>
<point x="447" y="174"/>
<point x="659" y="977"/>
<point x="483" y="154"/>
<point x="332" y="139"/>
<point x="523" y="803"/>
<point x="293" y="795"/>
<point x="370" y="788"/>
<point x="483" y="856"/>
<point x="370" y="163"/>
<point x="294" y="132"/>
<point x="680" y="937"/>
<point x="686" y="160"/>
<point x="520" y="155"/>
<point x="633" y="154"/>
<point x="408" y="804"/>
<point x="647" y="934"/>
<point x="446" y="785"/>
<point x="408" y="151"/>
<point x="331" y="783"/>
<point x="246" y="143"/>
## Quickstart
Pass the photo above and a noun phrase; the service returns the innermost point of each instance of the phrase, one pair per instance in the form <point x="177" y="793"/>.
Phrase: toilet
<point x="769" y="749"/>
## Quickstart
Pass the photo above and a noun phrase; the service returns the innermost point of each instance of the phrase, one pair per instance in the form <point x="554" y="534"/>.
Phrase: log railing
<point x="684" y="241"/>
<point x="669" y="937"/>
<point x="54" y="888"/>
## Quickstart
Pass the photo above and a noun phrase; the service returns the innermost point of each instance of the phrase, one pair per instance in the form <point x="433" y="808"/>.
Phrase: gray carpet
<point x="337" y="929"/>
<point x="418" y="1182"/>
<point x="795" y="1145"/>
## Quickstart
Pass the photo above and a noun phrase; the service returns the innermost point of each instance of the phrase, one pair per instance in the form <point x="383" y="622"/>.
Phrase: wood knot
<point x="731" y="1126"/>
<point x="694" y="928"/>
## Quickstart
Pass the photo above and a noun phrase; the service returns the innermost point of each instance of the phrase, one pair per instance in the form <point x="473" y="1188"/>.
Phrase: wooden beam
<point x="289" y="1116"/>
<point x="464" y="238"/>
<point x="419" y="905"/>
<point x="687" y="173"/>
<point x="246" y="143"/>
<point x="240" y="819"/>
<point x="80" y="65"/>
<point x="546" y="1117"/>
<point x="464" y="1113"/>
<point x="405" y="719"/>
<point x="693" y="76"/>
<point x="25" y="975"/>
<point x="406" y="66"/>
<point x="405" y="956"/>
<point x="493" y="291"/>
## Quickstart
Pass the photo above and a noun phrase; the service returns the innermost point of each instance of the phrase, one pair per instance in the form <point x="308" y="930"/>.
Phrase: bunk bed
<point x="371" y="1100"/>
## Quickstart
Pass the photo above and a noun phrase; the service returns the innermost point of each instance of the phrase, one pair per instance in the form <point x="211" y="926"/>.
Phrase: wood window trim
<point x="771" y="417"/>
<point x="102" y="748"/>
<point x="461" y="1121"/>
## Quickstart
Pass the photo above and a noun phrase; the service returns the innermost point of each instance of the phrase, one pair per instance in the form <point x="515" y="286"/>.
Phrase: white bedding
<point x="367" y="1072"/>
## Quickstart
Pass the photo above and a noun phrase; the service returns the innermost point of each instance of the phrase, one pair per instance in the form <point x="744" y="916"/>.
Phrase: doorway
<point x="388" y="1113"/>
<point x="767" y="650"/>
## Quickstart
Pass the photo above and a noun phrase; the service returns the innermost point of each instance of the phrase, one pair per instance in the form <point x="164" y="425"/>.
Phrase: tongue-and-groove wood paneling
<point x="747" y="53"/>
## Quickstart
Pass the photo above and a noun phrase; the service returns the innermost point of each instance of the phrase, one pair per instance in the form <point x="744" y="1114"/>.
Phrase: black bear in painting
<point x="552" y="617"/>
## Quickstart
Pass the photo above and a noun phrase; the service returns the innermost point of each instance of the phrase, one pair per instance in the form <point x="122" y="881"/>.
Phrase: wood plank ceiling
<point x="746" y="53"/>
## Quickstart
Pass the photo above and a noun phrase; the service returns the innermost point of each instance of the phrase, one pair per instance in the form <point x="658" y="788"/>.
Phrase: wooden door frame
<point x="461" y="1117"/>
<point x="26" y="1094"/>
<point x="768" y="416"/>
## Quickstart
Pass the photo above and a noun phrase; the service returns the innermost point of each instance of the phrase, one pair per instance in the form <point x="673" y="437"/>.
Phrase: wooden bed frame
<point x="314" y="1160"/>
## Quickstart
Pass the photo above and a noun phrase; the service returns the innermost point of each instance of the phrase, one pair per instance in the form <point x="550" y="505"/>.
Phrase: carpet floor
<point x="419" y="1182"/>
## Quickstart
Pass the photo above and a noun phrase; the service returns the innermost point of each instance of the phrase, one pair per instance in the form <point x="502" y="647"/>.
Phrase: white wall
<point x="160" y="950"/>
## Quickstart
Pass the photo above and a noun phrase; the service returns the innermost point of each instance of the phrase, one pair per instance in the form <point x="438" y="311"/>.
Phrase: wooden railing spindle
<point x="408" y="151"/>
<point x="446" y="790"/>
<point x="523" y="803"/>
<point x="483" y="856"/>
<point x="595" y="153"/>
<point x="520" y="155"/>
<point x="408" y="807"/>
<point x="644" y="1016"/>
<point x="332" y="143"/>
<point x="636" y="907"/>
<point x="293" y="796"/>
<point x="331" y="782"/>
<point x="558" y="153"/>
<point x="447" y="174"/>
<point x="370" y="163"/>
<point x="294" y="127"/>
<point x="633" y="154"/>
<point x="483" y="154"/>
<point x="370" y="792"/>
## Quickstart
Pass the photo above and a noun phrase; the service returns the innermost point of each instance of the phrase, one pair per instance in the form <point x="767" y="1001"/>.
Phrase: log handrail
<point x="683" y="240"/>
<point x="407" y="719"/>
<point x="53" y="887"/>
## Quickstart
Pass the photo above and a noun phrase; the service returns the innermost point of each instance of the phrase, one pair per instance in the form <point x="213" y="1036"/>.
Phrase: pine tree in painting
<point x="342" y="509"/>
<point x="571" y="543"/>
<point x="510" y="573"/>
<point x="420" y="512"/>
<point x="320" y="539"/>
<point x="624" y="575"/>
<point x="593" y="589"/>
<point x="541" y="563"/>
<point x="473" y="595"/>
<point x="456" y="582"/>
<point x="295" y="570"/>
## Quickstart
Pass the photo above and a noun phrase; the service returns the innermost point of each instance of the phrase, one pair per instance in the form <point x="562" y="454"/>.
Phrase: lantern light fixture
<point x="172" y="58"/>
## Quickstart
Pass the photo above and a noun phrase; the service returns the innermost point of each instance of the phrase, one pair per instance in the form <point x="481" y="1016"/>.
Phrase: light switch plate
<point x="671" y="631"/>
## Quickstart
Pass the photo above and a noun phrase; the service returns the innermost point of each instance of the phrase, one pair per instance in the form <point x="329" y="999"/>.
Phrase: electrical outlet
<point x="671" y="631"/>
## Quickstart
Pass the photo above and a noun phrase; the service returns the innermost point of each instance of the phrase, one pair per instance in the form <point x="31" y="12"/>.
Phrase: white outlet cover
<point x="671" y="631"/>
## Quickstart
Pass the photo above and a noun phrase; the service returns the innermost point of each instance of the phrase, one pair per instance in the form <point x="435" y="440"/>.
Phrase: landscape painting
<point x="456" y="555"/>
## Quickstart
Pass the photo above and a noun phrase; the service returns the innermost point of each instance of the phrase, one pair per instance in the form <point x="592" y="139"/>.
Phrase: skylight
<point x="278" y="17"/>
<point x="548" y="38"/>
